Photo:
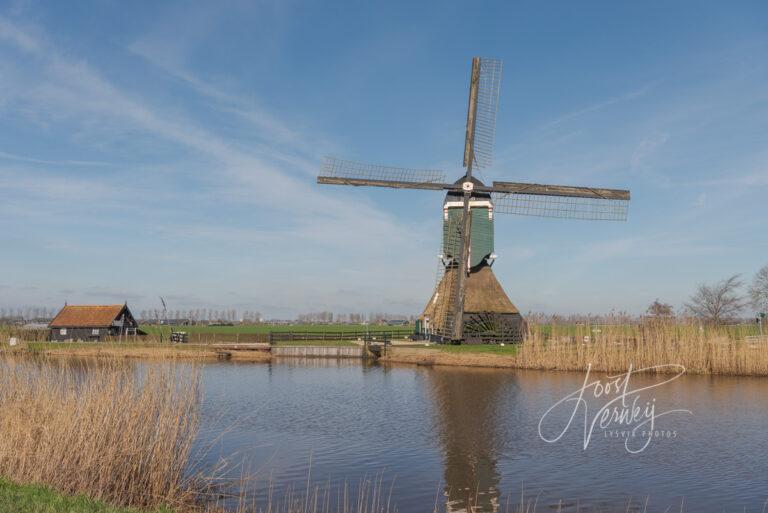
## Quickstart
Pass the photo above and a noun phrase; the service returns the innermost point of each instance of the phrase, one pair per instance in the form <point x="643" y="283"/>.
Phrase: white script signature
<point x="622" y="408"/>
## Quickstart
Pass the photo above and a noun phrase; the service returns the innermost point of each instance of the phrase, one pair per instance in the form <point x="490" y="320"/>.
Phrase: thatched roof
<point x="483" y="294"/>
<point x="86" y="316"/>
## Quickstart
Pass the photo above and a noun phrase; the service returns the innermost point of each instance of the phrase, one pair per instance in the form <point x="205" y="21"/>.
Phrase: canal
<point x="465" y="436"/>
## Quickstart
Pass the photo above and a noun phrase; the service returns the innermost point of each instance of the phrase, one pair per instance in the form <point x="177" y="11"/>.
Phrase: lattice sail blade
<point x="563" y="207"/>
<point x="560" y="190"/>
<point x="488" y="90"/>
<point x="441" y="309"/>
<point x="347" y="172"/>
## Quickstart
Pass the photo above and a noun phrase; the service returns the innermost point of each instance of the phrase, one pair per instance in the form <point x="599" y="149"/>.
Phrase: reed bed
<point x="702" y="350"/>
<point x="100" y="428"/>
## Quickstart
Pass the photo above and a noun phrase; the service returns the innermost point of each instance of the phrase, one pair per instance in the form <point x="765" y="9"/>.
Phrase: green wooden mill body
<point x="481" y="236"/>
<point x="487" y="314"/>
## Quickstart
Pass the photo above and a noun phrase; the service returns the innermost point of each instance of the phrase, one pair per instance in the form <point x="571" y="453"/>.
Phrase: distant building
<point x="93" y="323"/>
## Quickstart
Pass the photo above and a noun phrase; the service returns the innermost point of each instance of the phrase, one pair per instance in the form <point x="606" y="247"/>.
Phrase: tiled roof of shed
<point x="86" y="316"/>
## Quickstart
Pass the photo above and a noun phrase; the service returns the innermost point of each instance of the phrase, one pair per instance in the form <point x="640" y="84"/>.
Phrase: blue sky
<point x="150" y="149"/>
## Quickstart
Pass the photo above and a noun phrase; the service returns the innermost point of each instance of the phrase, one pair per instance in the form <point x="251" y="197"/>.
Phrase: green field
<point x="251" y="329"/>
<point x="38" y="499"/>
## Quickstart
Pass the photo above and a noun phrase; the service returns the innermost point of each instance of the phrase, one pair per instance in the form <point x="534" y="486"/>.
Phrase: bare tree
<point x="758" y="292"/>
<point x="659" y="310"/>
<point x="719" y="302"/>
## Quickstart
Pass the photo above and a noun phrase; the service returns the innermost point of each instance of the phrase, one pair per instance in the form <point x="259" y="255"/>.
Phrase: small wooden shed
<point x="93" y="323"/>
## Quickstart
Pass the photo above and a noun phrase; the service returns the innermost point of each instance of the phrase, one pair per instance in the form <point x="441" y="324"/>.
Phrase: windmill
<point x="165" y="313"/>
<point x="468" y="303"/>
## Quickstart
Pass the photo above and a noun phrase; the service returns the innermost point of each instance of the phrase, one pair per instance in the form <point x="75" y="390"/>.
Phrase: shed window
<point x="63" y="331"/>
<point x="95" y="331"/>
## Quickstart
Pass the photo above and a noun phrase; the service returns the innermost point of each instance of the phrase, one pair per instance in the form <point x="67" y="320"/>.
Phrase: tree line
<point x="201" y="315"/>
<point x="326" y="317"/>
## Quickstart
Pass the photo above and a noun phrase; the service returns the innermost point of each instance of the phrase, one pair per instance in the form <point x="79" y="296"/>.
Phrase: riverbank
<point x="609" y="349"/>
<point x="654" y="347"/>
<point x="468" y="356"/>
<point x="149" y="351"/>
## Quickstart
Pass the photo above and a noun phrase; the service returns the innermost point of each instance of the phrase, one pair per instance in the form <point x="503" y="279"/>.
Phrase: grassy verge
<point x="39" y="499"/>
<point x="507" y="350"/>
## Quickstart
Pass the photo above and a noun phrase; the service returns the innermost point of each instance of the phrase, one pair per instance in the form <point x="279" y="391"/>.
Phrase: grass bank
<point x="40" y="499"/>
<point x="467" y="356"/>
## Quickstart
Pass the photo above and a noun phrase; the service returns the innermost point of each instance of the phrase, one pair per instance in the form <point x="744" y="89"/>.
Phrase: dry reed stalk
<point x="615" y="348"/>
<point x="99" y="428"/>
<point x="370" y="495"/>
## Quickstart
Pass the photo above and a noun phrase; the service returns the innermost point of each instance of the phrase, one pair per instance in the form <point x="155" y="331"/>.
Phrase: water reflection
<point x="320" y="363"/>
<point x="467" y="417"/>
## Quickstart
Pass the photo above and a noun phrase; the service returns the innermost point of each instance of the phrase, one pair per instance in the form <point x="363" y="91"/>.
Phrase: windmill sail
<point x="482" y="135"/>
<point x="484" y="85"/>
<point x="562" y="207"/>
<point x="441" y="308"/>
<point x="347" y="172"/>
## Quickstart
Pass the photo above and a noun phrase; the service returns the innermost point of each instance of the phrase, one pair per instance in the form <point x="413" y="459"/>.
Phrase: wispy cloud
<point x="51" y="187"/>
<point x="271" y="177"/>
<point x="21" y="37"/>
<point x="75" y="89"/>
<point x="269" y="128"/>
<point x="31" y="160"/>
<point x="598" y="106"/>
